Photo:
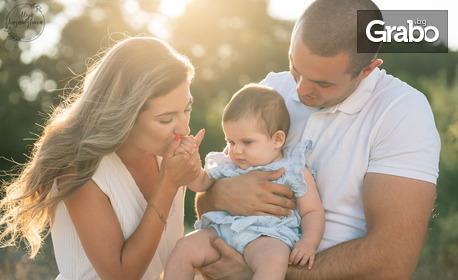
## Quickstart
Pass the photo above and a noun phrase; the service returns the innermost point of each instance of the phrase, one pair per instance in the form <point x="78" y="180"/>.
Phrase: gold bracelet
<point x="157" y="211"/>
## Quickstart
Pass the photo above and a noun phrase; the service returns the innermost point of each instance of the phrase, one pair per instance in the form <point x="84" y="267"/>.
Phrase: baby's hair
<point x="261" y="103"/>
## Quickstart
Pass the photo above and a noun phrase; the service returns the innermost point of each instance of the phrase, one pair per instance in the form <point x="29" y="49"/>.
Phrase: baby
<point x="255" y="123"/>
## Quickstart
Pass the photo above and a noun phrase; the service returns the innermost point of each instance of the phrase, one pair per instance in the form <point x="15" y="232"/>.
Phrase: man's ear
<point x="279" y="138"/>
<point x="366" y="71"/>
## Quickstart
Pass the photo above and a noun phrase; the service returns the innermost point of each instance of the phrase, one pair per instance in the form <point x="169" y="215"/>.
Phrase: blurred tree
<point x="231" y="43"/>
<point x="440" y="255"/>
<point x="223" y="39"/>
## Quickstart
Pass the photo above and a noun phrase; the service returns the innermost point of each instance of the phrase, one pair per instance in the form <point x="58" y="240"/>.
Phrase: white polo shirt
<point x="384" y="126"/>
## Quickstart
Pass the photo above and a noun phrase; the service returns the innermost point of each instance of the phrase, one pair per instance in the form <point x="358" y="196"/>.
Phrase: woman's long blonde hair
<point x="80" y="132"/>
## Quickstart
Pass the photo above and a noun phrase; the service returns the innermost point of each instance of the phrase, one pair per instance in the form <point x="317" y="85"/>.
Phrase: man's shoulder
<point x="283" y="82"/>
<point x="278" y="76"/>
<point x="391" y="90"/>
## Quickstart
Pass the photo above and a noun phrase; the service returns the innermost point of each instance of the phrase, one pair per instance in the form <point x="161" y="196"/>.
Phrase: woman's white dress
<point x="117" y="183"/>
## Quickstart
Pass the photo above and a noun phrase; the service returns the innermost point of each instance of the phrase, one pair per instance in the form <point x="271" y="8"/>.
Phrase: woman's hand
<point x="181" y="168"/>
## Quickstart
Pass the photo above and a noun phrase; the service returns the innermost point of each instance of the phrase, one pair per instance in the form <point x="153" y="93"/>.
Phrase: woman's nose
<point x="183" y="126"/>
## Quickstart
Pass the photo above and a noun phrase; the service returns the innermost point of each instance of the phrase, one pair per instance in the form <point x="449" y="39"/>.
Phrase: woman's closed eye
<point x="166" y="121"/>
<point x="188" y="110"/>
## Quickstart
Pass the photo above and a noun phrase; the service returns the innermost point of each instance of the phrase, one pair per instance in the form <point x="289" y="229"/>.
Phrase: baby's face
<point x="248" y="145"/>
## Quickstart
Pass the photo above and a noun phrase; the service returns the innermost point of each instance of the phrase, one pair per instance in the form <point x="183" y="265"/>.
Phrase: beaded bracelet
<point x="157" y="211"/>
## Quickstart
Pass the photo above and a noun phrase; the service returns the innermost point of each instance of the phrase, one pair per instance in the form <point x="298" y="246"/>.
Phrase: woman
<point x="106" y="174"/>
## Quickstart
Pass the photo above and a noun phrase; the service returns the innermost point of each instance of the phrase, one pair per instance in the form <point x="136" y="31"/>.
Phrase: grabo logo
<point x="402" y="33"/>
<point x="414" y="31"/>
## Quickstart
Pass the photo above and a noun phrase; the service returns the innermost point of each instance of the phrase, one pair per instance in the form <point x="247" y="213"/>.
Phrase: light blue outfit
<point x="238" y="231"/>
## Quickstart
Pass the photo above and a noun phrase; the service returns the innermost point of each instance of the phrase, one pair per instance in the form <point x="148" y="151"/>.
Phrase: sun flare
<point x="173" y="8"/>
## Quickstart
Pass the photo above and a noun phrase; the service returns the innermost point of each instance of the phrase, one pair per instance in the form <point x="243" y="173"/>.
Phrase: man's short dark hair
<point x="329" y="27"/>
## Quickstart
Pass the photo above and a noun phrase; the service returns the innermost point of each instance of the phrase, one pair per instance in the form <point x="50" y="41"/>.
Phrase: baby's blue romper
<point x="238" y="231"/>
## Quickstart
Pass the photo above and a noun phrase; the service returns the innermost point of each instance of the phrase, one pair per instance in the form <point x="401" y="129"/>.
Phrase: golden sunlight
<point x="173" y="8"/>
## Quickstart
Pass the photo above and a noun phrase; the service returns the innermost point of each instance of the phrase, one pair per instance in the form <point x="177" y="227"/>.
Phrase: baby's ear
<point x="279" y="138"/>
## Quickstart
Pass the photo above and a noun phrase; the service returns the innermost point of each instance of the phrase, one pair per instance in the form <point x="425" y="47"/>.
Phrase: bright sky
<point x="291" y="9"/>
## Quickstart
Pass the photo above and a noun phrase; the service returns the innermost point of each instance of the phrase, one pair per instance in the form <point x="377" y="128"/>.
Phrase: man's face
<point x="320" y="81"/>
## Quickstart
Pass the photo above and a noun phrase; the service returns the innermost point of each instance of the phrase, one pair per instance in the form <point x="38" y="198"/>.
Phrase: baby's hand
<point x="189" y="144"/>
<point x="302" y="253"/>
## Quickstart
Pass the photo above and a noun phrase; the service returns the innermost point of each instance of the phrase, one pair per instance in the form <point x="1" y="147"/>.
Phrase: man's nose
<point x="303" y="86"/>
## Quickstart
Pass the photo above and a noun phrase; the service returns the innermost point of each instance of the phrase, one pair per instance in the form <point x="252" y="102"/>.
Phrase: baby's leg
<point x="267" y="257"/>
<point x="192" y="251"/>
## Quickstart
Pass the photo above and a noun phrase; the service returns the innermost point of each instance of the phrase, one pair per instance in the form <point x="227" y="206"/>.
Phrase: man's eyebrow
<point x="320" y="82"/>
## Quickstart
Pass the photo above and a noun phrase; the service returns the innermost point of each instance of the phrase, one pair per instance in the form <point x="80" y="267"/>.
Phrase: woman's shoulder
<point x="110" y="168"/>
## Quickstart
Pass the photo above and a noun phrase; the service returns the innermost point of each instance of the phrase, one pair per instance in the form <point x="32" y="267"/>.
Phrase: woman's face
<point x="165" y="117"/>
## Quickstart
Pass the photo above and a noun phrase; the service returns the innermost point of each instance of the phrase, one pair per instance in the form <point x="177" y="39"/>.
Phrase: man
<point x="375" y="152"/>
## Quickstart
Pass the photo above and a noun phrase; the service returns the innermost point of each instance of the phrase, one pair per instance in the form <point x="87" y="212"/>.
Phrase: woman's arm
<point x="100" y="233"/>
<point x="101" y="236"/>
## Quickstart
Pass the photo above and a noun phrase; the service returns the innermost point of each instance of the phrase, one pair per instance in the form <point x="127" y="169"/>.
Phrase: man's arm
<point x="397" y="213"/>
<point x="249" y="194"/>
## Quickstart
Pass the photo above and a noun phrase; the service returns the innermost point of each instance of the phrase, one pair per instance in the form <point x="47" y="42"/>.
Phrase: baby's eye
<point x="247" y="142"/>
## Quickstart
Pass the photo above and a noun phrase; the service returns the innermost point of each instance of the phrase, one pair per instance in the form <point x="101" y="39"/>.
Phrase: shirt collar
<point x="355" y="102"/>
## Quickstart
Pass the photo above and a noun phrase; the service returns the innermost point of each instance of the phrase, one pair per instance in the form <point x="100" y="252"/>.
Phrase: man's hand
<point x="249" y="194"/>
<point x="231" y="265"/>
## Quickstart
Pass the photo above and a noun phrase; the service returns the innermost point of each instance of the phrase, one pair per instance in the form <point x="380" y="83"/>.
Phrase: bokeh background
<point x="231" y="43"/>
